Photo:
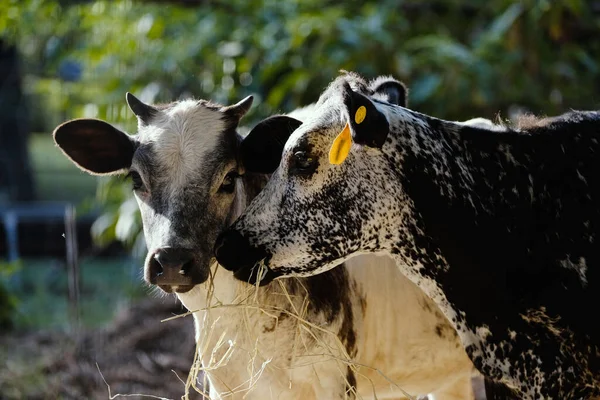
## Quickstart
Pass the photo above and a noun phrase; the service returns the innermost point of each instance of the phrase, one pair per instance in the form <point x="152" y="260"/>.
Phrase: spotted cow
<point x="498" y="225"/>
<point x="361" y="330"/>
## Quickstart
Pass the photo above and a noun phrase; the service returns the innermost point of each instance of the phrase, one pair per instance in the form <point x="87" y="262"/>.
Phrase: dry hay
<point x="248" y="301"/>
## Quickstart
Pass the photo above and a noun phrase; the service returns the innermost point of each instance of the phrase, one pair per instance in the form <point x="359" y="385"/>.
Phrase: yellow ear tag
<point x="360" y="115"/>
<point x="341" y="146"/>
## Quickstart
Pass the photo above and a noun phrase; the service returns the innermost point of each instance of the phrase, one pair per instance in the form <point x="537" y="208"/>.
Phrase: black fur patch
<point x="350" y="384"/>
<point x="371" y="131"/>
<point x="329" y="294"/>
<point x="260" y="150"/>
<point x="518" y="245"/>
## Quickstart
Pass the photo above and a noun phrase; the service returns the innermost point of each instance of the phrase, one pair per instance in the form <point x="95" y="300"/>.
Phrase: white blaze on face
<point x="157" y="227"/>
<point x="183" y="136"/>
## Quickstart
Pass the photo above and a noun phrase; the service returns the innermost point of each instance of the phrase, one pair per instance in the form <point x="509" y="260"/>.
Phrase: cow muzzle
<point x="175" y="269"/>
<point x="248" y="263"/>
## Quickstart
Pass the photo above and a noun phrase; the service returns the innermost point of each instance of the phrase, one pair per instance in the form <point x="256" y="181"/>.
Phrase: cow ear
<point x="239" y="109"/>
<point x="390" y="90"/>
<point x="261" y="149"/>
<point x="95" y="146"/>
<point x="368" y="126"/>
<point x="142" y="111"/>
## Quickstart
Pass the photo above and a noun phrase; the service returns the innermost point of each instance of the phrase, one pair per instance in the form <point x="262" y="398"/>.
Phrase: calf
<point x="498" y="225"/>
<point x="323" y="337"/>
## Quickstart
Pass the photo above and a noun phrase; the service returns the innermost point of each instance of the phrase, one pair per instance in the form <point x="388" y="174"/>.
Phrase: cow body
<point x="342" y="334"/>
<point x="497" y="225"/>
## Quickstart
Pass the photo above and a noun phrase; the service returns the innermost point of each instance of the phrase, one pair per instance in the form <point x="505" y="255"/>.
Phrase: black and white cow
<point x="312" y="338"/>
<point x="498" y="225"/>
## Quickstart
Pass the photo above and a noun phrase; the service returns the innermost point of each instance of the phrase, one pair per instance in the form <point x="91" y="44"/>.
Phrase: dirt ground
<point x="136" y="354"/>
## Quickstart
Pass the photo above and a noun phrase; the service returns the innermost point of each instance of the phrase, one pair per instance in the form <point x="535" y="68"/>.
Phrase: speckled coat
<point x="498" y="225"/>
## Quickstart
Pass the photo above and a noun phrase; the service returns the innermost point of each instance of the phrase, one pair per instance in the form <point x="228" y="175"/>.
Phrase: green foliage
<point x="121" y="219"/>
<point x="461" y="59"/>
<point x="8" y="305"/>
<point x="8" y="301"/>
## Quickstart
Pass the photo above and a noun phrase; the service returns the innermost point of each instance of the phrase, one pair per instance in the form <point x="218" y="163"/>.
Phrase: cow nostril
<point x="219" y="245"/>
<point x="155" y="270"/>
<point x="171" y="264"/>
<point x="157" y="266"/>
<point x="185" y="268"/>
<point x="175" y="269"/>
<point x="229" y="249"/>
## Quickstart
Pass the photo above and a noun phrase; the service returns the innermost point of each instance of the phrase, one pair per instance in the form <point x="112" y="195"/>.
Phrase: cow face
<point x="328" y="197"/>
<point x="185" y="165"/>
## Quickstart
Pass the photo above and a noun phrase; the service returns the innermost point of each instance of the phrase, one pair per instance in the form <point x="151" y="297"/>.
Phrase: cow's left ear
<point x="390" y="90"/>
<point x="261" y="149"/>
<point x="368" y="126"/>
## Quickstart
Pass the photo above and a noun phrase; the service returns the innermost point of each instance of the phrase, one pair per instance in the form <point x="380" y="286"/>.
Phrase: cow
<point x="497" y="225"/>
<point x="352" y="332"/>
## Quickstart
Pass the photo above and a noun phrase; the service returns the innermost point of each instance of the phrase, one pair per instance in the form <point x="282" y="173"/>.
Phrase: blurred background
<point x="72" y="305"/>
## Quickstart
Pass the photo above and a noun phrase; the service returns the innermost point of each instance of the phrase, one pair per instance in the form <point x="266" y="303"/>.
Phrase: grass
<point x="42" y="291"/>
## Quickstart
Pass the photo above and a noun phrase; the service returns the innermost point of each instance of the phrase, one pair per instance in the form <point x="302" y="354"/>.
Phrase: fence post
<point x="72" y="265"/>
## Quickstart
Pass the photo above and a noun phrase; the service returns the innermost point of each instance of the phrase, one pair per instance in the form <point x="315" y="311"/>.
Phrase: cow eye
<point x="136" y="180"/>
<point x="302" y="163"/>
<point x="228" y="184"/>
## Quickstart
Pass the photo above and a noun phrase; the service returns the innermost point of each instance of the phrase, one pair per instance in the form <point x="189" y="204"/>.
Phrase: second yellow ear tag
<point x="341" y="146"/>
<point x="360" y="115"/>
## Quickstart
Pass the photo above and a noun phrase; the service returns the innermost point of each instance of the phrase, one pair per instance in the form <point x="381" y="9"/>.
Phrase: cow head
<point x="186" y="164"/>
<point x="324" y="202"/>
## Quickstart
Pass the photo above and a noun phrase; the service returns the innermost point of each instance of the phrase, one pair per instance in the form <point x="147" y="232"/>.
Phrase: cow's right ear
<point x="261" y="149"/>
<point x="95" y="146"/>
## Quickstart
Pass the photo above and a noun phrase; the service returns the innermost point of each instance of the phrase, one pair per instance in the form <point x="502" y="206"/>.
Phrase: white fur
<point x="193" y="131"/>
<point x="303" y="113"/>
<point x="483" y="123"/>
